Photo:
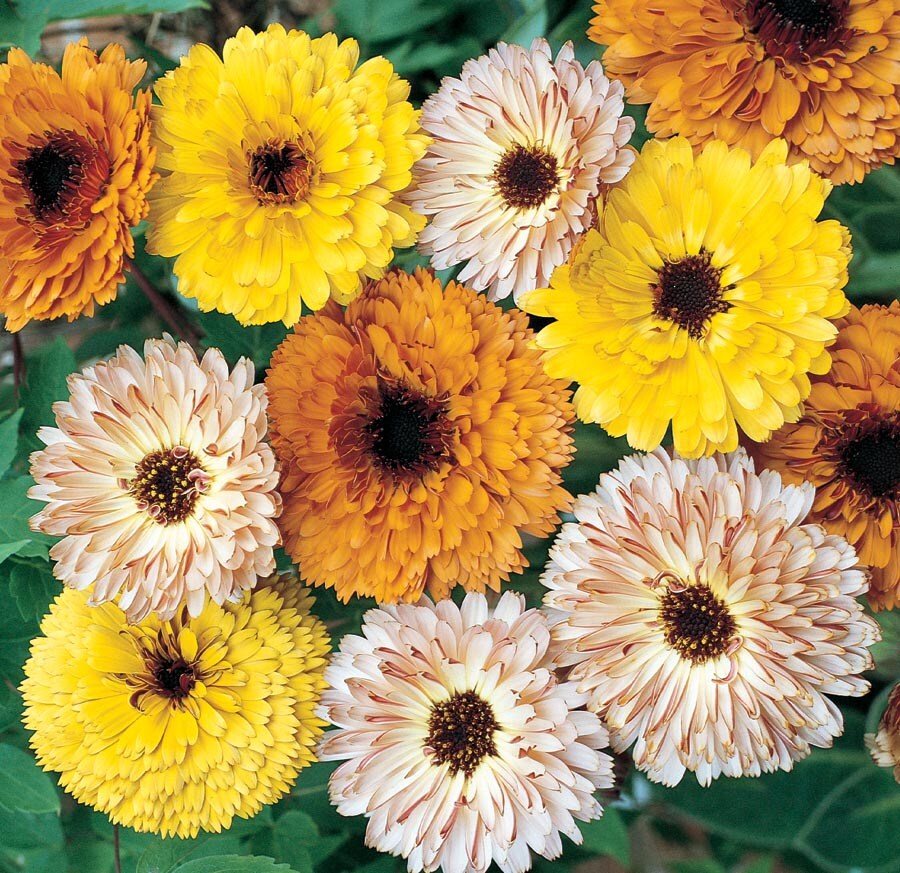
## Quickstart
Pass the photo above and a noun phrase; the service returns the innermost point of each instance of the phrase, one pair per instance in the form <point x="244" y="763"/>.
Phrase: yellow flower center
<point x="696" y="623"/>
<point x="688" y="292"/>
<point x="167" y="483"/>
<point x="798" y="30"/>
<point x="869" y="457"/>
<point x="526" y="177"/>
<point x="461" y="732"/>
<point x="279" y="173"/>
<point x="50" y="174"/>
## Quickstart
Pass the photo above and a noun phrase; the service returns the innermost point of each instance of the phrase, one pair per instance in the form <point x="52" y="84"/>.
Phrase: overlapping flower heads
<point x="75" y="167"/>
<point x="702" y="300"/>
<point x="706" y="618"/>
<point x="178" y="726"/>
<point x="847" y="444"/>
<point x="460" y="745"/>
<point x="823" y="75"/>
<point x="159" y="480"/>
<point x="281" y="163"/>
<point x="418" y="436"/>
<point x="522" y="146"/>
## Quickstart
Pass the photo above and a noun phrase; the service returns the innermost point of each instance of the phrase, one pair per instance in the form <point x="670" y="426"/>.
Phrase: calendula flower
<point x="418" y="436"/>
<point x="847" y="444"/>
<point x="75" y="167"/>
<point x="178" y="726"/>
<point x="281" y="164"/>
<point x="522" y="145"/>
<point x="702" y="300"/>
<point x="706" y="617"/>
<point x="460" y="745"/>
<point x="158" y="478"/>
<point x="822" y="74"/>
<point x="884" y="744"/>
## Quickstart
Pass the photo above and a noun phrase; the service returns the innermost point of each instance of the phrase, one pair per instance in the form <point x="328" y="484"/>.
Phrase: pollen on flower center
<point x="689" y="292"/>
<point x="797" y="28"/>
<point x="279" y="173"/>
<point x="409" y="432"/>
<point x="696" y="623"/>
<point x="48" y="173"/>
<point x="526" y="177"/>
<point x="167" y="483"/>
<point x="872" y="460"/>
<point x="175" y="678"/>
<point x="461" y="732"/>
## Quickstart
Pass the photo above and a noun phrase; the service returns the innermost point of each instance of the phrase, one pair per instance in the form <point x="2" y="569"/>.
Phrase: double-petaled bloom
<point x="418" y="438"/>
<point x="702" y="301"/>
<point x="159" y="480"/>
<point x="705" y="616"/>
<point x="178" y="726"/>
<point x="884" y="744"/>
<point x="281" y="165"/>
<point x="459" y="743"/>
<point x="822" y="74"/>
<point x="76" y="164"/>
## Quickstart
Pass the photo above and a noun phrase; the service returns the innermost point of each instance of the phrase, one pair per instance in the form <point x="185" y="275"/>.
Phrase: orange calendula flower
<point x="418" y="437"/>
<point x="75" y="167"/>
<point x="822" y="74"/>
<point x="847" y="444"/>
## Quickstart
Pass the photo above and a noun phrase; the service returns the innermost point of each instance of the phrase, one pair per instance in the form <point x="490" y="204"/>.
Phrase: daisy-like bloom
<point x="418" y="436"/>
<point x="522" y="145"/>
<point x="158" y="478"/>
<point x="178" y="726"/>
<point x="460" y="745"/>
<point x="847" y="444"/>
<point x="75" y="167"/>
<point x="281" y="163"/>
<point x="822" y="74"/>
<point x="884" y="745"/>
<point x="706" y="619"/>
<point x="701" y="301"/>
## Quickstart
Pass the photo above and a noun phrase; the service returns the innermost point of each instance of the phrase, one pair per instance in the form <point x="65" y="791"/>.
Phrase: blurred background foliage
<point x="836" y="812"/>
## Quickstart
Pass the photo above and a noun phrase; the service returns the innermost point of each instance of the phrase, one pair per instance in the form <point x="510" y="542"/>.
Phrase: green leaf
<point x="697" y="865"/>
<point x="24" y="786"/>
<point x="231" y="864"/>
<point x="608" y="835"/>
<point x="20" y="29"/>
<point x="32" y="587"/>
<point x="257" y="342"/>
<point x="384" y="20"/>
<point x="530" y="23"/>
<point x="45" y="382"/>
<point x="17" y="509"/>
<point x="296" y="840"/>
<point x="25" y="830"/>
<point x="9" y="440"/>
<point x="57" y="9"/>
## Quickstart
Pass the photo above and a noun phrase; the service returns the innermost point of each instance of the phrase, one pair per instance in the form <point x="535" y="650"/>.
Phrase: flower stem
<point x="166" y="311"/>
<point x="18" y="364"/>
<point x="116" y="853"/>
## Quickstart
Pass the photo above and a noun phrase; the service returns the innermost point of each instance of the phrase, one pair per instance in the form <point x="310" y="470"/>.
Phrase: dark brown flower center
<point x="279" y="173"/>
<point x="174" y="678"/>
<point x="688" y="292"/>
<point x="167" y="483"/>
<point x="49" y="174"/>
<point x="526" y="177"/>
<point x="461" y="732"/>
<point x="410" y="431"/>
<point x="798" y="30"/>
<point x="871" y="460"/>
<point x="696" y="623"/>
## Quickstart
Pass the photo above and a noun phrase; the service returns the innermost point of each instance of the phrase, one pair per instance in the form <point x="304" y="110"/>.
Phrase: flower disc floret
<point x="281" y="165"/>
<point x="702" y="301"/>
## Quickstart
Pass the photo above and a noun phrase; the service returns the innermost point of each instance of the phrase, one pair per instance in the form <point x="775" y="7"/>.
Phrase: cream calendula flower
<point x="280" y="167"/>
<point x="158" y="478"/>
<point x="705" y="619"/>
<point x="178" y="726"/>
<point x="460" y="745"/>
<point x="884" y="744"/>
<point x="522" y="145"/>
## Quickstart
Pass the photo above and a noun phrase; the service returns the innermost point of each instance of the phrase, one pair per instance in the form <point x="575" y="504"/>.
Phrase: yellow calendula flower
<point x="702" y="300"/>
<point x="281" y="163"/>
<point x="178" y="726"/>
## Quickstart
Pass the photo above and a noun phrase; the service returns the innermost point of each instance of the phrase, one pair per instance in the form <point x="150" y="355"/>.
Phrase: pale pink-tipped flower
<point x="522" y="145"/>
<point x="705" y="619"/>
<point x="461" y="747"/>
<point x="884" y="744"/>
<point x="158" y="478"/>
